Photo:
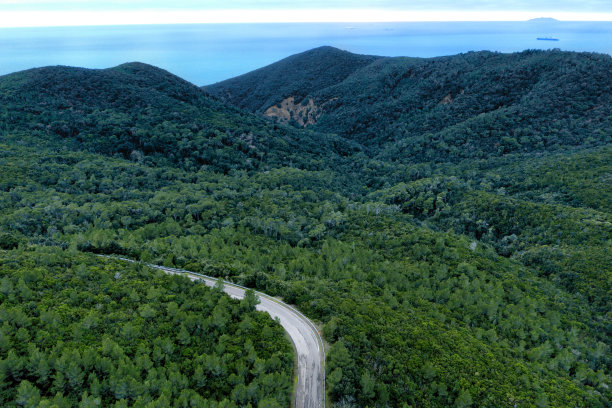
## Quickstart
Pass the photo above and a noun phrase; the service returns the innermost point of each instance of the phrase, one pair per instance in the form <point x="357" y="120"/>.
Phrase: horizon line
<point x="32" y="19"/>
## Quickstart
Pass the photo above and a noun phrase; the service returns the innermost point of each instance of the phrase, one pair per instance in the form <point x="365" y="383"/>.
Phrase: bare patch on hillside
<point x="287" y="110"/>
<point x="448" y="99"/>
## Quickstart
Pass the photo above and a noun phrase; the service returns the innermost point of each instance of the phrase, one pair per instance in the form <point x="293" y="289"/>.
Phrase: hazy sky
<point x="15" y="13"/>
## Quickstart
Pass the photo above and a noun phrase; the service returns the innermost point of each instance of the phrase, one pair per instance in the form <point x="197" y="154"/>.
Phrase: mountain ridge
<point x="403" y="103"/>
<point x="316" y="68"/>
<point x="140" y="111"/>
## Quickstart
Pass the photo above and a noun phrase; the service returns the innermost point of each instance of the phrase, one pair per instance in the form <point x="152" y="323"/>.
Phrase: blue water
<point x="207" y="53"/>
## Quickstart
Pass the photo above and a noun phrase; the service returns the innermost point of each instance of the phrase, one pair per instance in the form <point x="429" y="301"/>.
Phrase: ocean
<point x="207" y="53"/>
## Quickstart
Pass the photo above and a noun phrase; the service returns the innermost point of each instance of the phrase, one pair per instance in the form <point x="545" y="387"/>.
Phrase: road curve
<point x="304" y="334"/>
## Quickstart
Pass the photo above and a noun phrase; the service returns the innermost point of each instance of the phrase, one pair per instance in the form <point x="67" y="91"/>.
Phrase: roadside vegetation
<point x="81" y="331"/>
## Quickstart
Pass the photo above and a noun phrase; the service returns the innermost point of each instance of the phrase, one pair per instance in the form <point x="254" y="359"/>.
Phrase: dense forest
<point x="464" y="274"/>
<point x="308" y="72"/>
<point x="81" y="331"/>
<point x="466" y="106"/>
<point x="145" y="114"/>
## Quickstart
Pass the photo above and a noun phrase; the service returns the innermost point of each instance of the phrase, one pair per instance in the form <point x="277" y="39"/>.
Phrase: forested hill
<point x="146" y="114"/>
<point x="298" y="75"/>
<point x="449" y="108"/>
<point x="452" y="242"/>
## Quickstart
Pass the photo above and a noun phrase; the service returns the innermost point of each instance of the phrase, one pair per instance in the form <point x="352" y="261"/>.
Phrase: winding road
<point x="304" y="334"/>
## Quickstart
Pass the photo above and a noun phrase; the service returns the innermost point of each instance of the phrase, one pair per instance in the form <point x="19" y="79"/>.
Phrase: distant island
<point x="543" y="20"/>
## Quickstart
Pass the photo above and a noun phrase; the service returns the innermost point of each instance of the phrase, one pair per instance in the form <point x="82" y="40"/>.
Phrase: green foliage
<point x="104" y="333"/>
<point x="147" y="115"/>
<point x="297" y="76"/>
<point x="467" y="106"/>
<point x="410" y="311"/>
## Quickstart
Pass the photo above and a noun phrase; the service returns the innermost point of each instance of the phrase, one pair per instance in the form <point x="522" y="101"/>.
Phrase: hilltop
<point x="296" y="76"/>
<point x="470" y="105"/>
<point x="146" y="114"/>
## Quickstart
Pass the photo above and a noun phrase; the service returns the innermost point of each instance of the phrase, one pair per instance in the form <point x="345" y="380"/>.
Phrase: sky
<point x="32" y="13"/>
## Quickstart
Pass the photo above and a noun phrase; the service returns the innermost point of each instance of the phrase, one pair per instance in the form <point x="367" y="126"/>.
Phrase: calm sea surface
<point x="207" y="53"/>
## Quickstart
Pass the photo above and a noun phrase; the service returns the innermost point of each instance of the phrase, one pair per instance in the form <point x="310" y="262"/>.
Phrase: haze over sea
<point x="207" y="53"/>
